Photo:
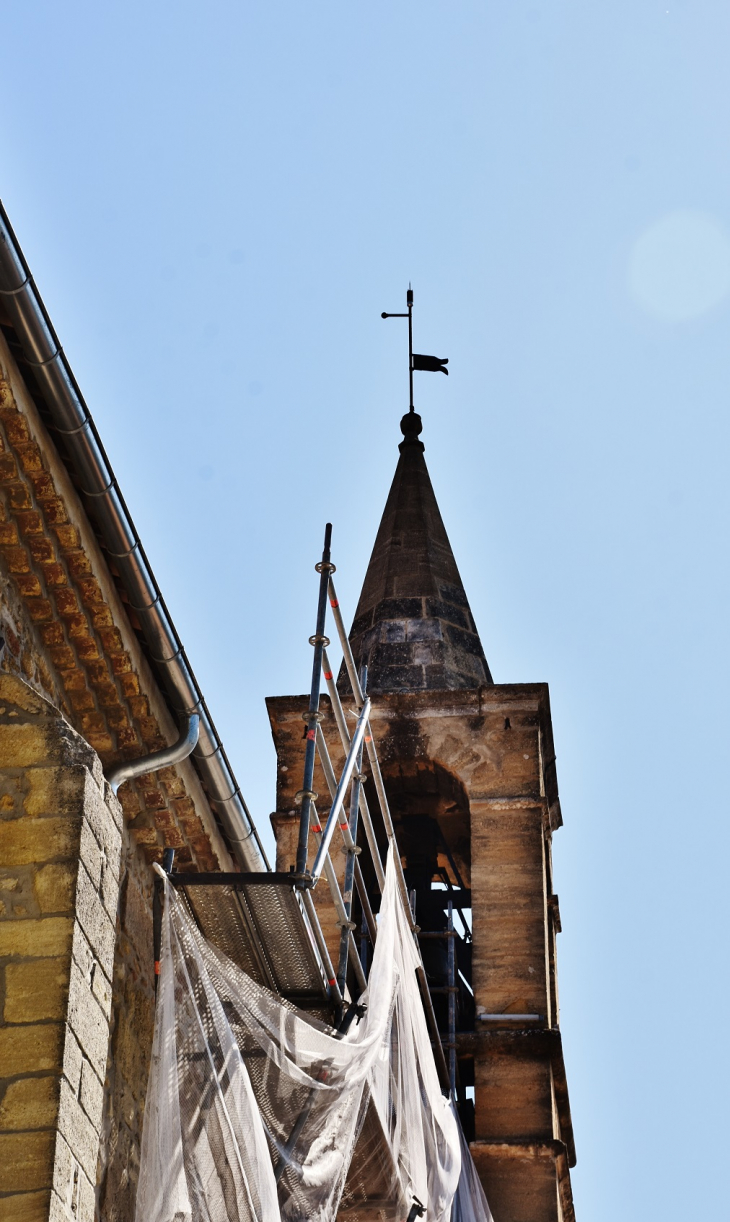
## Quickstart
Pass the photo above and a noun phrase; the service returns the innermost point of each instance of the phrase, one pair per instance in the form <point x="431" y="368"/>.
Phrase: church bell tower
<point x="469" y="770"/>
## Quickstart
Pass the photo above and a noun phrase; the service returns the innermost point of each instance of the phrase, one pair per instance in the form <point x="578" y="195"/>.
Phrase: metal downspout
<point x="179" y="751"/>
<point x="73" y="422"/>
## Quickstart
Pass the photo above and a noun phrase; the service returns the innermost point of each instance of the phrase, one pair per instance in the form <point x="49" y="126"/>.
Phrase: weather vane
<point x="416" y="360"/>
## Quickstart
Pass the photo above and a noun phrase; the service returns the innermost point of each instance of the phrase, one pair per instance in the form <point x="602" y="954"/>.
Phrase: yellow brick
<point x="55" y="887"/>
<point x="27" y="841"/>
<point x="22" y="745"/>
<point x="31" y="1103"/>
<point x="26" y="1207"/>
<point x="54" y="790"/>
<point x="36" y="990"/>
<point x="14" y="691"/>
<point x="30" y="1049"/>
<point x="26" y="1160"/>
<point x="47" y="936"/>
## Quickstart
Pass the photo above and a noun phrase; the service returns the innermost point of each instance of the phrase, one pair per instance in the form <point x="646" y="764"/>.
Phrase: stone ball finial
<point x="411" y="426"/>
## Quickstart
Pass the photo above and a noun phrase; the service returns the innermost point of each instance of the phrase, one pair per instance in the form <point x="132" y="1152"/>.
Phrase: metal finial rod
<point x="417" y="360"/>
<point x="409" y="316"/>
<point x="409" y="300"/>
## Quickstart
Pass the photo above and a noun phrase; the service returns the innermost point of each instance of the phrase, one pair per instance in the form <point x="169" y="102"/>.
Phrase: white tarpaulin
<point x="254" y="1109"/>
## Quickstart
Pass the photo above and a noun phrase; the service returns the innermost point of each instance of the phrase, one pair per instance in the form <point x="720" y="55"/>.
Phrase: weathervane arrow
<point x="417" y="360"/>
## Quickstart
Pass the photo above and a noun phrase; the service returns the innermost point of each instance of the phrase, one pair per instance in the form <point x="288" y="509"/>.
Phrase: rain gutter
<point x="71" y="419"/>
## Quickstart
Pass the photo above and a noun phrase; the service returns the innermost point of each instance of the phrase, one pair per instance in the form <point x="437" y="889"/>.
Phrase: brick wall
<point x="60" y="840"/>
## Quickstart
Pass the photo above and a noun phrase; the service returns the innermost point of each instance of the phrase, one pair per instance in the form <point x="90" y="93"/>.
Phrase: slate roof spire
<point x="413" y="627"/>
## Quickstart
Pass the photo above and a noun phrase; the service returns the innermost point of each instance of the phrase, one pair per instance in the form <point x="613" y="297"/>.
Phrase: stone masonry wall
<point x="60" y="840"/>
<point x="132" y="1022"/>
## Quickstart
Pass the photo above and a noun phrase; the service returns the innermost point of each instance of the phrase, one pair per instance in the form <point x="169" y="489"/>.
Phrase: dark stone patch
<point x="384" y="655"/>
<point x="428" y="653"/>
<point x="467" y="641"/>
<point x="399" y="608"/>
<point x="454" y="594"/>
<point x="367" y="641"/>
<point x="392" y="630"/>
<point x="423" y="630"/>
<point x="361" y="623"/>
<point x="437" y="679"/>
<point x="400" y="679"/>
<point x="464" y="681"/>
<point x="435" y="609"/>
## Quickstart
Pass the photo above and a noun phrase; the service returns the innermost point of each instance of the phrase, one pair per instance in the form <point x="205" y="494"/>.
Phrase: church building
<point x="109" y="759"/>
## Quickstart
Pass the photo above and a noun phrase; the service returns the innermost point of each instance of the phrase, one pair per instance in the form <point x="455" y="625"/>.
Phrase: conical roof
<point x="413" y="627"/>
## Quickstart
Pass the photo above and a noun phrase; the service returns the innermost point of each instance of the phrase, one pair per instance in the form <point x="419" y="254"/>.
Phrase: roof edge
<point x="113" y="523"/>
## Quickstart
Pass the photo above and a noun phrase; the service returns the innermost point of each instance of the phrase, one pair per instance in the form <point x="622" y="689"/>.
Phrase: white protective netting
<point x="256" y="1111"/>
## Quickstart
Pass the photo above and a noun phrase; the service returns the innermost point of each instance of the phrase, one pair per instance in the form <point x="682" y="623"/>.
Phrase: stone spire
<point x="413" y="627"/>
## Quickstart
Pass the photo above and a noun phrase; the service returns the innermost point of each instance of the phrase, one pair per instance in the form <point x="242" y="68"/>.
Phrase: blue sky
<point x="218" y="201"/>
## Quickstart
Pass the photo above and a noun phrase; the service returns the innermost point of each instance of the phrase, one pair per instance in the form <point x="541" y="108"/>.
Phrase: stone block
<point x="17" y="894"/>
<point x="26" y="1207"/>
<point x="133" y="1033"/>
<point x="101" y="871"/>
<point x="102" y="990"/>
<point x="136" y="915"/>
<point x="30" y="1103"/>
<point x="14" y="691"/>
<point x="423" y="629"/>
<point x="33" y="841"/>
<point x="105" y="820"/>
<point x="54" y="790"/>
<point x="119" y="1188"/>
<point x="26" y="1160"/>
<point x="513" y="1098"/>
<point x="95" y="921"/>
<point x="65" y="1172"/>
<point x="520" y="1180"/>
<point x="72" y="1060"/>
<point x="392" y="631"/>
<point x="30" y="1049"/>
<point x="37" y="938"/>
<point x="12" y="793"/>
<point x="22" y="745"/>
<point x="91" y="970"/>
<point x="36" y="990"/>
<point x="85" y="1210"/>
<point x="77" y="1130"/>
<point x="92" y="854"/>
<point x="58" y="1211"/>
<point x="55" y="887"/>
<point x="91" y="1095"/>
<point x="82" y="953"/>
<point x="88" y="1021"/>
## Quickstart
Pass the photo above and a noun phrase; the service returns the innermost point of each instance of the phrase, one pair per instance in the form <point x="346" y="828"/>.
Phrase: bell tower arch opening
<point x="430" y="810"/>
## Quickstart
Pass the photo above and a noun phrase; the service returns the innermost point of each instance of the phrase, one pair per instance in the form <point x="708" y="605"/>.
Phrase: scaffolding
<point x="345" y="982"/>
<point x="267" y="922"/>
